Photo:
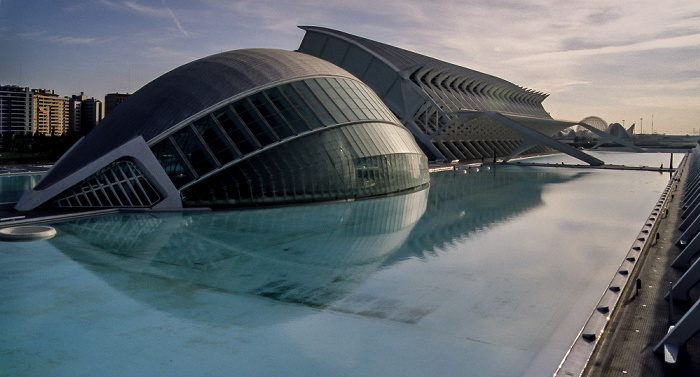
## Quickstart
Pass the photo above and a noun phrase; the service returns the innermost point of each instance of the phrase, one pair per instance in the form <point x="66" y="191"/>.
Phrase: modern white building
<point x="455" y="113"/>
<point x="240" y="128"/>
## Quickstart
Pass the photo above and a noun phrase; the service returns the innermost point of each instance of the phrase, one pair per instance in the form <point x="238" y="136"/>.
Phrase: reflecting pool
<point x="489" y="273"/>
<point x="13" y="186"/>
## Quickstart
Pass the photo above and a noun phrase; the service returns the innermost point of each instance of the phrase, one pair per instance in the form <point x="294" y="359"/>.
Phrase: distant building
<point x="112" y="100"/>
<point x="75" y="112"/>
<point x="15" y="109"/>
<point x="84" y="113"/>
<point x="50" y="113"/>
<point x="92" y="114"/>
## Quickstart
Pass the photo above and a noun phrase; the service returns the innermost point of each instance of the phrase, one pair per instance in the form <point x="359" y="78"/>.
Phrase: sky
<point x="627" y="61"/>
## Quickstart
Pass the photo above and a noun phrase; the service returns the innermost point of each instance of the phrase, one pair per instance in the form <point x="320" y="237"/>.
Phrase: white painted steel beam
<point x="611" y="138"/>
<point x="536" y="137"/>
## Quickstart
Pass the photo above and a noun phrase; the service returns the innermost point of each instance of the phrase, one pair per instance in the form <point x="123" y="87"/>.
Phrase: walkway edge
<point x="577" y="357"/>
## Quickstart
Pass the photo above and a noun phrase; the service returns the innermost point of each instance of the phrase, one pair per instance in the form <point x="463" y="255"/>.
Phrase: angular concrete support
<point x="671" y="351"/>
<point x="611" y="138"/>
<point x="692" y="188"/>
<point x="689" y="203"/>
<point x="689" y="233"/>
<point x="691" y="214"/>
<point x="683" y="259"/>
<point x="527" y="144"/>
<point x="679" y="291"/>
<point x="138" y="151"/>
<point x="676" y="337"/>
<point x="535" y="137"/>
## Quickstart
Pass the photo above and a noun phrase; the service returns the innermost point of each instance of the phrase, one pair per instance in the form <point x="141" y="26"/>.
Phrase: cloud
<point x="177" y="22"/>
<point x="73" y="40"/>
<point x="668" y="101"/>
<point x="558" y="86"/>
<point x="53" y="38"/>
<point x="692" y="40"/>
<point x="160" y="52"/>
<point x="148" y="11"/>
<point x="145" y="10"/>
<point x="604" y="16"/>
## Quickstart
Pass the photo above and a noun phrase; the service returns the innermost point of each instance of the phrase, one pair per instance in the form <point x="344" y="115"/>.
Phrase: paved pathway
<point x="626" y="349"/>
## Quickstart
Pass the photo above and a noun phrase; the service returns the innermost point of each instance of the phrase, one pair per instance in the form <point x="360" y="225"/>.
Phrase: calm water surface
<point x="13" y="186"/>
<point x="489" y="273"/>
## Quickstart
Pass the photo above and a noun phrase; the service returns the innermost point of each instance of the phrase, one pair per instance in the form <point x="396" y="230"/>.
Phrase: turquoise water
<point x="654" y="160"/>
<point x="489" y="273"/>
<point x="13" y="186"/>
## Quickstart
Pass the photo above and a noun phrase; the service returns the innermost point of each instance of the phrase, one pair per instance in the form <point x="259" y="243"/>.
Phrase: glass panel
<point x="326" y="100"/>
<point x="172" y="163"/>
<point x="343" y="89"/>
<point x="271" y="115"/>
<point x="301" y="107"/>
<point x="254" y="123"/>
<point x="216" y="140"/>
<point x="235" y="130"/>
<point x="313" y="102"/>
<point x="194" y="151"/>
<point x="328" y="165"/>
<point x="288" y="111"/>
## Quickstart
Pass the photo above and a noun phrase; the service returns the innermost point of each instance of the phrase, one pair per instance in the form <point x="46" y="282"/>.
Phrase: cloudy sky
<point x="620" y="60"/>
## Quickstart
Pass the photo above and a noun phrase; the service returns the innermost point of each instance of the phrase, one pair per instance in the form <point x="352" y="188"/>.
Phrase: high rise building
<point x="50" y="113"/>
<point x="112" y="100"/>
<point x="15" y="109"/>
<point x="84" y="113"/>
<point x="92" y="114"/>
<point x="75" y="112"/>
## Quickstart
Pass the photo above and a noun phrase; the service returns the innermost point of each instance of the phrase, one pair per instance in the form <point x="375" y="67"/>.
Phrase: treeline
<point x="18" y="148"/>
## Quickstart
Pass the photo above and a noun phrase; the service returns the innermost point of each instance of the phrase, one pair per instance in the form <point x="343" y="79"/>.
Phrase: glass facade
<point x="249" y="124"/>
<point x="333" y="139"/>
<point x="346" y="162"/>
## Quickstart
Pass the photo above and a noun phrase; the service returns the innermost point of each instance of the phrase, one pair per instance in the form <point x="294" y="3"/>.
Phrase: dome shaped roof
<point x="184" y="92"/>
<point x="595" y="122"/>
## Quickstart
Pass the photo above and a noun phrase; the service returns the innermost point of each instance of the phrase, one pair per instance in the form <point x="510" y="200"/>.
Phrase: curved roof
<point x="596" y="122"/>
<point x="183" y="92"/>
<point x="405" y="60"/>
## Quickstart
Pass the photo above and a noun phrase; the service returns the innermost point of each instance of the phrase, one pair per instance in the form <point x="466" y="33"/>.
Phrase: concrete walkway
<point x="641" y="321"/>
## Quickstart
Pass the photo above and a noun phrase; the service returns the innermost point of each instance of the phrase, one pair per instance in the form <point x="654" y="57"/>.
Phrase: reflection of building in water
<point x="12" y="187"/>
<point x="315" y="255"/>
<point x="460" y="204"/>
<point x="311" y="255"/>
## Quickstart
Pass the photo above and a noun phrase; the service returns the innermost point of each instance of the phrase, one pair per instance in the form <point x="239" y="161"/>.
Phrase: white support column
<point x="608" y="137"/>
<point x="682" y="331"/>
<point x="679" y="291"/>
<point x="539" y="138"/>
